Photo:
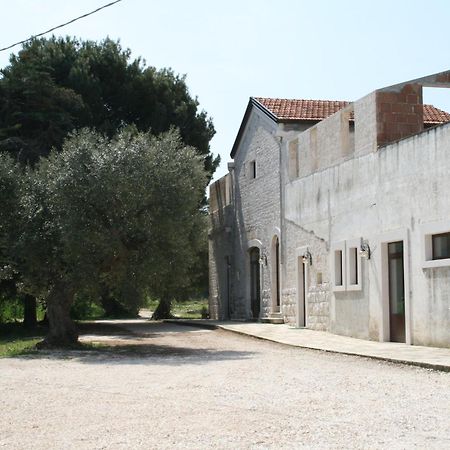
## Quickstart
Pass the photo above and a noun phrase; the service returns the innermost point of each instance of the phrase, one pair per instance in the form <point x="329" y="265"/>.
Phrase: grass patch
<point x="190" y="309"/>
<point x="16" y="340"/>
<point x="187" y="309"/>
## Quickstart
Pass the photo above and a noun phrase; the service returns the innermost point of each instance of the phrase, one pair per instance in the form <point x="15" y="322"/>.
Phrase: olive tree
<point x="114" y="212"/>
<point x="55" y="85"/>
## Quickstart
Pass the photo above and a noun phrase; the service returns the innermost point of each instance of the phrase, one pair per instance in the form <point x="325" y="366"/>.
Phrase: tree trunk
<point x="29" y="311"/>
<point x="163" y="309"/>
<point x="112" y="307"/>
<point x="62" y="329"/>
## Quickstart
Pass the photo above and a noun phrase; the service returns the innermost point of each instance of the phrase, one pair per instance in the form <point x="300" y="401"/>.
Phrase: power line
<point x="60" y="26"/>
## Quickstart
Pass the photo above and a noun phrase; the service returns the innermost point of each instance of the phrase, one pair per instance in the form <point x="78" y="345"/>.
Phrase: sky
<point x="231" y="50"/>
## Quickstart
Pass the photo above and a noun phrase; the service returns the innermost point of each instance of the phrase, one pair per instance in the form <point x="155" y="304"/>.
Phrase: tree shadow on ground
<point x="138" y="353"/>
<point x="142" y="328"/>
<point x="107" y="343"/>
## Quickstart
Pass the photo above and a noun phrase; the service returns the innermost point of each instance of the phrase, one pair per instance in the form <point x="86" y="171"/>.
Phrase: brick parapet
<point x="399" y="113"/>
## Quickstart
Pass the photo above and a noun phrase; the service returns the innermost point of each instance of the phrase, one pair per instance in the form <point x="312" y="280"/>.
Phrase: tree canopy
<point x="56" y="85"/>
<point x="121" y="212"/>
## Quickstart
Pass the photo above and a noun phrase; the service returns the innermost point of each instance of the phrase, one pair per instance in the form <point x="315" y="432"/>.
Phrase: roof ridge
<point x="302" y="99"/>
<point x="435" y="107"/>
<point x="282" y="109"/>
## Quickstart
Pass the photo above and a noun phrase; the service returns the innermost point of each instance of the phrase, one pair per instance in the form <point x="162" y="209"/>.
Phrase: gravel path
<point x="173" y="387"/>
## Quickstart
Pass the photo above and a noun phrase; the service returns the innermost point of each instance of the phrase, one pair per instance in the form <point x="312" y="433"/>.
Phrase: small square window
<point x="436" y="244"/>
<point x="441" y="245"/>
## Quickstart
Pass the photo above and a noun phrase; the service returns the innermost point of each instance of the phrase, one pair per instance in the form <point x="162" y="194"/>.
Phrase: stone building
<point x="335" y="216"/>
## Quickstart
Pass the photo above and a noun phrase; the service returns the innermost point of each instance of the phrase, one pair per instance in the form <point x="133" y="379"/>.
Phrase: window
<point x="293" y="159"/>
<point x="441" y="245"/>
<point x="436" y="244"/>
<point x="353" y="265"/>
<point x="338" y="266"/>
<point x="346" y="265"/>
<point x="253" y="169"/>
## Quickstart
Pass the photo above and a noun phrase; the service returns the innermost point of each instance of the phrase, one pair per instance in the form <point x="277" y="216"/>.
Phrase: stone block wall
<point x="318" y="288"/>
<point x="257" y="210"/>
<point x="220" y="248"/>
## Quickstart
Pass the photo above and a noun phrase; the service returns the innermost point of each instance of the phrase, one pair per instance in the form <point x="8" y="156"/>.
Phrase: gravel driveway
<point x="169" y="386"/>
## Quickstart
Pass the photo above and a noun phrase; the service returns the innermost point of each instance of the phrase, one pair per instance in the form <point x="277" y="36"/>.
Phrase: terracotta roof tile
<point x="286" y="109"/>
<point x="431" y="114"/>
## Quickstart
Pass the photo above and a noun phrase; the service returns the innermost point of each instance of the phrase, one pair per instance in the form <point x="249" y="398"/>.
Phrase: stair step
<point x="271" y="319"/>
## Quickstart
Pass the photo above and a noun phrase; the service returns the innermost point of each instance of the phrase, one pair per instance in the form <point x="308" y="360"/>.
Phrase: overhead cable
<point x="60" y="26"/>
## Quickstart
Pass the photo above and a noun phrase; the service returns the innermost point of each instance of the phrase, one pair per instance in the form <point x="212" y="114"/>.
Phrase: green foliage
<point x="192" y="308"/>
<point x="59" y="84"/>
<point x="122" y="213"/>
<point x="86" y="308"/>
<point x="10" y="191"/>
<point x="11" y="310"/>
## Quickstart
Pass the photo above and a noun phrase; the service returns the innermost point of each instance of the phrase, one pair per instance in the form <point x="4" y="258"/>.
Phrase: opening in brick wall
<point x="438" y="97"/>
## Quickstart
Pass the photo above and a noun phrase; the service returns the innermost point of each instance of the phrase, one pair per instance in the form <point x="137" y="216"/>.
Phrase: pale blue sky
<point x="317" y="49"/>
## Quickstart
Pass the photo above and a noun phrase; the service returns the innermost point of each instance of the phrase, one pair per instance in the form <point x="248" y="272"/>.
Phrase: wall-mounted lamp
<point x="364" y="250"/>
<point x="307" y="257"/>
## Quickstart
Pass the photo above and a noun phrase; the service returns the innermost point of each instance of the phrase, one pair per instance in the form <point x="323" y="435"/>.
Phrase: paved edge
<point x="199" y="323"/>
<point x="193" y="323"/>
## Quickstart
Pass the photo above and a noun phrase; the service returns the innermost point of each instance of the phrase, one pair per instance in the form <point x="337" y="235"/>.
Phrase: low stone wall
<point x="319" y="307"/>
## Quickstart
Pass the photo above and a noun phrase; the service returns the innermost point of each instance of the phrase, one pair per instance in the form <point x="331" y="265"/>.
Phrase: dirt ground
<point x="167" y="386"/>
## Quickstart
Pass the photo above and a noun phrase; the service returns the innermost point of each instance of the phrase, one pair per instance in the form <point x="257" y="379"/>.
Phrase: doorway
<point x="275" y="281"/>
<point x="255" y="282"/>
<point x="396" y="282"/>
<point x="301" y="292"/>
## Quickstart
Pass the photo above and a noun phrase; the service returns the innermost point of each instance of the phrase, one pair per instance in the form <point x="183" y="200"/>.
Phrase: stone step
<point x="275" y="319"/>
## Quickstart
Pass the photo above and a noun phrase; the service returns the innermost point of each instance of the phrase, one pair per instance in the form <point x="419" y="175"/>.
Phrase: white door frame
<point x="384" y="239"/>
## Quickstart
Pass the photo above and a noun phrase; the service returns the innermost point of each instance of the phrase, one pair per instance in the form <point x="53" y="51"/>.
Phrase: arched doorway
<point x="255" y="282"/>
<point x="275" y="284"/>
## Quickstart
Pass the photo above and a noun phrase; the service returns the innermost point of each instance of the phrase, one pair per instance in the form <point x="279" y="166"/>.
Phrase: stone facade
<point x="366" y="179"/>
